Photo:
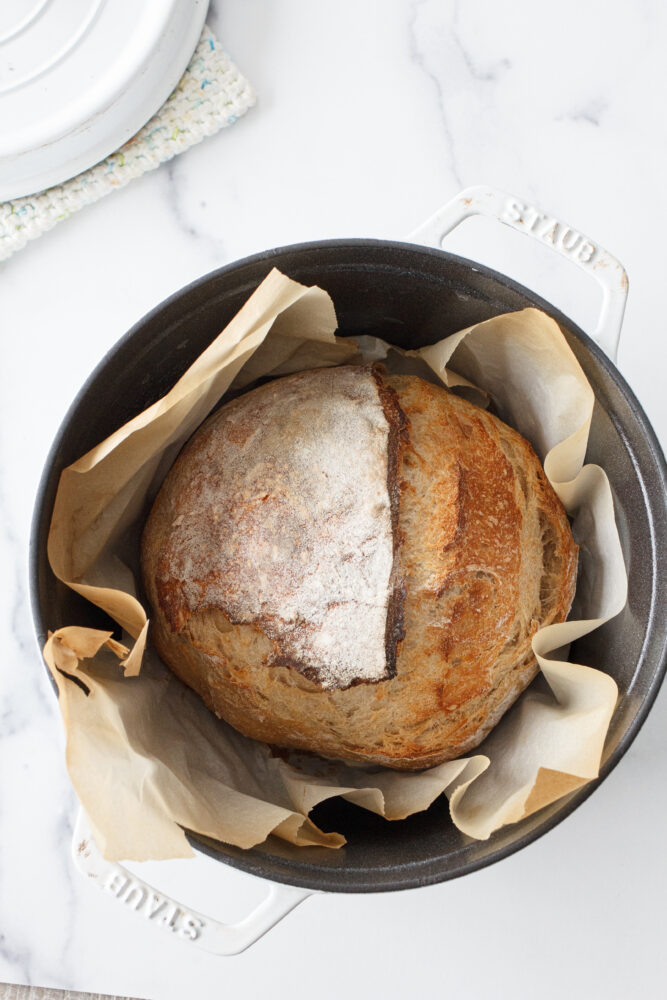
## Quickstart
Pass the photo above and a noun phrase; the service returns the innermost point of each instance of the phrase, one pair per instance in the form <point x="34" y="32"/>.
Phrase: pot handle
<point x="179" y="921"/>
<point x="566" y="241"/>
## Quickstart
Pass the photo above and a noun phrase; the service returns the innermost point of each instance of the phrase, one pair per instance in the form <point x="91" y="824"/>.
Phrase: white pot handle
<point x="179" y="921"/>
<point x="533" y="222"/>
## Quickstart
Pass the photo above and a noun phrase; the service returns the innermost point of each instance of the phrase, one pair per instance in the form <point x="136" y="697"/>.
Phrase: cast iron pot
<point x="411" y="296"/>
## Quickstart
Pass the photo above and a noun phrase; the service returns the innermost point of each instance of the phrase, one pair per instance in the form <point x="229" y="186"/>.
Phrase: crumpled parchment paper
<point x="148" y="760"/>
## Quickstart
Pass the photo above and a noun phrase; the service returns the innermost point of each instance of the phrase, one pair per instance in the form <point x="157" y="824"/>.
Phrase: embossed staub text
<point x="568" y="241"/>
<point x="153" y="906"/>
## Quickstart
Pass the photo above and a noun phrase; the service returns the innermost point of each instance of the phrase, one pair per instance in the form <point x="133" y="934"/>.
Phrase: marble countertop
<point x="370" y="115"/>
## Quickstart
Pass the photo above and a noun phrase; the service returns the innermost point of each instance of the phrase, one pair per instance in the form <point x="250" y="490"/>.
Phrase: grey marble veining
<point x="418" y="57"/>
<point x="176" y="179"/>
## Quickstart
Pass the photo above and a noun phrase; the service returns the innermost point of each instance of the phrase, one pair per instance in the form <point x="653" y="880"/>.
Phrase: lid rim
<point x="109" y="114"/>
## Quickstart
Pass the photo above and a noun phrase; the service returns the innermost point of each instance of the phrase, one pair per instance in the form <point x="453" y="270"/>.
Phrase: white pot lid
<point x="78" y="78"/>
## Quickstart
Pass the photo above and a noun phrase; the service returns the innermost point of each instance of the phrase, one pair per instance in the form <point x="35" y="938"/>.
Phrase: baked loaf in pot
<point x="354" y="563"/>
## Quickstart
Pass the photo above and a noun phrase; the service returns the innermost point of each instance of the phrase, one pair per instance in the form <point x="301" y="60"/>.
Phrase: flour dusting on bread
<point x="286" y="522"/>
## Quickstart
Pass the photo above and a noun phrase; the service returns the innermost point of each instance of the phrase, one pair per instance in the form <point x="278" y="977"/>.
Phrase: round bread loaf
<point x="354" y="563"/>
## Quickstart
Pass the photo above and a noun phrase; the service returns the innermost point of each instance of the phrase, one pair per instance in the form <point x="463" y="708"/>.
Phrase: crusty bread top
<point x="355" y="563"/>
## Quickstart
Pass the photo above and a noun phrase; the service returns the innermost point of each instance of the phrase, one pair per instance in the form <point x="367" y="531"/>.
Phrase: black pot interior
<point x="410" y="296"/>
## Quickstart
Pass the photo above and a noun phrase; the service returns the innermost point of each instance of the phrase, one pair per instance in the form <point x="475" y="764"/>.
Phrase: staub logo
<point x="529" y="219"/>
<point x="153" y="906"/>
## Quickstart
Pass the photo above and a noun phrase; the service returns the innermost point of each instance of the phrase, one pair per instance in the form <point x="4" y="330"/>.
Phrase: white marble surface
<point x="370" y="115"/>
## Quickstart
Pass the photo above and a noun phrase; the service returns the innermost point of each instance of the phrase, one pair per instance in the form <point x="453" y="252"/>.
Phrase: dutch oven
<point x="410" y="295"/>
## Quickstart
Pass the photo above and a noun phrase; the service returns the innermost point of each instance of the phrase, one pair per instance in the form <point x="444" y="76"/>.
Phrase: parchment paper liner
<point x="144" y="754"/>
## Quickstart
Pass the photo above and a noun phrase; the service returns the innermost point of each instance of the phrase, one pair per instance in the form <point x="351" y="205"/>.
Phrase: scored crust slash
<point x="354" y="563"/>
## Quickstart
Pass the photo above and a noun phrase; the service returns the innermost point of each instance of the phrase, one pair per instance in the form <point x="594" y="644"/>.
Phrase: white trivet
<point x="211" y="95"/>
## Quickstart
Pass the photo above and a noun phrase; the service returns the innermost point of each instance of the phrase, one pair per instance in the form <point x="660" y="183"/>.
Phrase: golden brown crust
<point x="486" y="557"/>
